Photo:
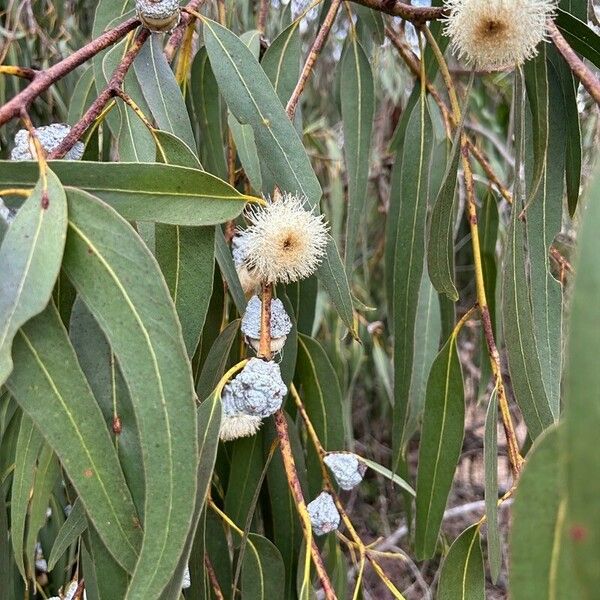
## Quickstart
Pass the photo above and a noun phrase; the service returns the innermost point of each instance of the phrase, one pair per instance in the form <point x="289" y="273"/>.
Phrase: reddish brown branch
<point x="113" y="88"/>
<point x="312" y="57"/>
<point x="212" y="577"/>
<point x="185" y="20"/>
<point x="263" y="13"/>
<point x="417" y="14"/>
<point x="589" y="81"/>
<point x="294" y="484"/>
<point x="42" y="80"/>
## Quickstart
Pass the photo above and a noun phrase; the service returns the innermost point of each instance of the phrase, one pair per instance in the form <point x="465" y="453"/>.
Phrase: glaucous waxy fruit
<point x="324" y="515"/>
<point x="50" y="137"/>
<point x="249" y="280"/>
<point x="158" y="15"/>
<point x="281" y="324"/>
<point x="346" y="467"/>
<point x="497" y="34"/>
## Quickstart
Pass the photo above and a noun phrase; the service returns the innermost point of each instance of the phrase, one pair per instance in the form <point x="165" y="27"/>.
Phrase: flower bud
<point x="257" y="390"/>
<point x="281" y="324"/>
<point x="50" y="137"/>
<point x="236" y="426"/>
<point x="324" y="515"/>
<point x="158" y="15"/>
<point x="346" y="467"/>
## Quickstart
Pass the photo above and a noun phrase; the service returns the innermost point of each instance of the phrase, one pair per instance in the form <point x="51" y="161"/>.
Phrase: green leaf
<point x="243" y="136"/>
<point x="120" y="282"/>
<point x="207" y="106"/>
<point x="439" y="450"/>
<point x="543" y="223"/>
<point x="186" y="258"/>
<point x="281" y="61"/>
<point x="251" y="98"/>
<point x="409" y="256"/>
<point x="142" y="192"/>
<point x="244" y="476"/>
<point x="490" y="457"/>
<point x="98" y="363"/>
<point x="440" y="245"/>
<point x="580" y="37"/>
<point x="216" y="360"/>
<point x="427" y="343"/>
<point x="68" y="534"/>
<point x="540" y="551"/>
<point x="582" y="410"/>
<point x="227" y="267"/>
<point x="323" y="402"/>
<point x="30" y="258"/>
<point x="333" y="278"/>
<point x="521" y="347"/>
<point x="162" y="92"/>
<point x="262" y="570"/>
<point x="83" y="95"/>
<point x="46" y="476"/>
<point x="389" y="475"/>
<point x="173" y="151"/>
<point x="48" y="384"/>
<point x="373" y="19"/>
<point x="463" y="576"/>
<point x="28" y="447"/>
<point x="357" y="96"/>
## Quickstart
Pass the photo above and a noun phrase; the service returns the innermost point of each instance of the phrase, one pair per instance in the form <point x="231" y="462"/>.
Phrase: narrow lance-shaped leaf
<point x="120" y="282"/>
<point x="161" y="91"/>
<point x="262" y="570"/>
<point x="48" y="384"/>
<point x="251" y="98"/>
<point x="357" y="95"/>
<point x="463" y="576"/>
<point x="490" y="459"/>
<point x="28" y="447"/>
<point x="409" y="256"/>
<point x="523" y="360"/>
<point x="30" y="258"/>
<point x="207" y="106"/>
<point x="71" y="529"/>
<point x="441" y="441"/>
<point x="142" y="192"/>
<point x="543" y="220"/>
<point x="582" y="409"/>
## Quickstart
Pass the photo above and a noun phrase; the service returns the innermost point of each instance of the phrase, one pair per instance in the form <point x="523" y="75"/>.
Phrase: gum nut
<point x="324" y="515"/>
<point x="257" y="390"/>
<point x="346" y="467"/>
<point x="281" y="324"/>
<point x="248" y="280"/>
<point x="158" y="15"/>
<point x="50" y="137"/>
<point x="277" y="344"/>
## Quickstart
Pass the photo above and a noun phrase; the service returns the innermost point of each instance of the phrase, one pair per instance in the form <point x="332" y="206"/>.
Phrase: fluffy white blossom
<point x="238" y="425"/>
<point x="285" y="242"/>
<point x="497" y="34"/>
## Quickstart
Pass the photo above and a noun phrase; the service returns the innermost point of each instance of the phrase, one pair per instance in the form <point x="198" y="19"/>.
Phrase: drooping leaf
<point x="439" y="450"/>
<point x="540" y="551"/>
<point x="262" y="570"/>
<point x="409" y="256"/>
<point x="523" y="359"/>
<point x="48" y="384"/>
<point x="138" y="317"/>
<point x="463" y="576"/>
<point x="162" y="92"/>
<point x="389" y="475"/>
<point x="207" y="105"/>
<point x="490" y="457"/>
<point x="243" y="136"/>
<point x="251" y="98"/>
<point x="173" y="151"/>
<point x="82" y="96"/>
<point x="28" y="447"/>
<point x="226" y="265"/>
<point x="142" y="192"/>
<point x="68" y="534"/>
<point x="30" y="258"/>
<point x="580" y="37"/>
<point x="322" y="398"/>
<point x="582" y="410"/>
<point x="357" y="95"/>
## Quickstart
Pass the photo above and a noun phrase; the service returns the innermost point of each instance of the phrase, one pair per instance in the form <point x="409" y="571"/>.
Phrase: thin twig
<point x="398" y="8"/>
<point x="212" y="577"/>
<point x="186" y="19"/>
<point x="264" y="346"/>
<point x="23" y="72"/>
<point x="44" y="79"/>
<point x="313" y="54"/>
<point x="263" y="13"/>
